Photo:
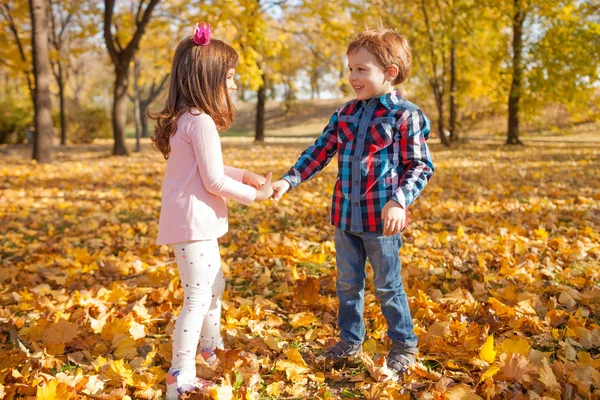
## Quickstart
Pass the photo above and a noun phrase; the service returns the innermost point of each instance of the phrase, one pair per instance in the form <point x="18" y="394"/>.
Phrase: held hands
<point x="279" y="188"/>
<point x="394" y="218"/>
<point x="254" y="180"/>
<point x="265" y="191"/>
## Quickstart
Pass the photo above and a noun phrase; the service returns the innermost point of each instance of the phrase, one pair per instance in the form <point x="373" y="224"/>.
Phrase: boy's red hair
<point x="388" y="47"/>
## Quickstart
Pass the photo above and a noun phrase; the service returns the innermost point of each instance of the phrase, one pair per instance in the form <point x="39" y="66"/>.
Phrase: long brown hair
<point x="198" y="80"/>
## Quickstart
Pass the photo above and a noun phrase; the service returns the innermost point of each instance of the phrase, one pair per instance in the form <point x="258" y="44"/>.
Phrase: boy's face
<point x="367" y="77"/>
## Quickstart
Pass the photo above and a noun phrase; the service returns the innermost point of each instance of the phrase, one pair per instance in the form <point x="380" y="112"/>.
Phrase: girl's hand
<point x="265" y="192"/>
<point x="394" y="218"/>
<point x="279" y="188"/>
<point x="252" y="179"/>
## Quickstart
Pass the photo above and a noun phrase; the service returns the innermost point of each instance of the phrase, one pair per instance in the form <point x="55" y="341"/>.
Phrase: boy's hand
<point x="279" y="188"/>
<point x="254" y="180"/>
<point x="394" y="218"/>
<point x="265" y="192"/>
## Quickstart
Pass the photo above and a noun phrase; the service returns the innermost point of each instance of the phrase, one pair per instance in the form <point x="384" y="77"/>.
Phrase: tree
<point x="122" y="56"/>
<point x="42" y="146"/>
<point x="14" y="17"/>
<point x="71" y="21"/>
<point x="554" y="53"/>
<point x="514" y="96"/>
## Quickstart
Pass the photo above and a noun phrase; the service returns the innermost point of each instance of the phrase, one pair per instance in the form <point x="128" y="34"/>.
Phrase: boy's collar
<point x="388" y="100"/>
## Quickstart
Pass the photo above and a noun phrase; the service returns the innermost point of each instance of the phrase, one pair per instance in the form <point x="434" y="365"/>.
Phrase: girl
<point x="195" y="188"/>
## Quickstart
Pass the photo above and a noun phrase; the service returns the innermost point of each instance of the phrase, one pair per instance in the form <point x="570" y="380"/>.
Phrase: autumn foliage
<point x="500" y="263"/>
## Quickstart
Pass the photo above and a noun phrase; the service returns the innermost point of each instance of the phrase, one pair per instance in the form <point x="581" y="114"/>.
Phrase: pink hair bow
<point x="202" y="34"/>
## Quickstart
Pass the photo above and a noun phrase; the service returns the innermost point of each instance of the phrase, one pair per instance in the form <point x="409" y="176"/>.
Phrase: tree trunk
<point x="453" y="94"/>
<point x="61" y="93"/>
<point x="259" y="135"/>
<point x="437" y="79"/>
<point x="144" y="119"/>
<point x="42" y="144"/>
<point x="515" y="88"/>
<point x="136" y="108"/>
<point x="439" y="101"/>
<point x="121" y="57"/>
<point x="120" y="111"/>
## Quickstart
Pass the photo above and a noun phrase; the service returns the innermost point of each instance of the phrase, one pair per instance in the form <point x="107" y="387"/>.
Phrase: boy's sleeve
<point x="316" y="157"/>
<point x="415" y="158"/>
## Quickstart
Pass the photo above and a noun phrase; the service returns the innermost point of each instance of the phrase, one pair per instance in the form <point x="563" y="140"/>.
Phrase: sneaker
<point x="208" y="353"/>
<point x="178" y="383"/>
<point x="400" y="358"/>
<point x="341" y="350"/>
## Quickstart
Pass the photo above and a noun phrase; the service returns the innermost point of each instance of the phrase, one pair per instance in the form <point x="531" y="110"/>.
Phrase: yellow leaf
<point x="487" y="352"/>
<point x="370" y="346"/>
<point x="460" y="232"/>
<point x="292" y="370"/>
<point x="294" y="356"/>
<point x="547" y="376"/>
<point x="302" y="319"/>
<point x="48" y="391"/>
<point x="461" y="392"/>
<point x="118" y="372"/>
<point x="274" y="389"/>
<point x="519" y="345"/>
<point x="491" y="371"/>
<point x="541" y="233"/>
<point x="137" y="330"/>
<point x="585" y="359"/>
<point x="126" y="346"/>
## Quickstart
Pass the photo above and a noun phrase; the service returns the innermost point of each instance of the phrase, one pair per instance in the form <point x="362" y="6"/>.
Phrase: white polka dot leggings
<point x="199" y="265"/>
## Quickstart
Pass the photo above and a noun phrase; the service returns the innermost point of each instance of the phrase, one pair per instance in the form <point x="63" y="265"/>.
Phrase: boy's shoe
<point x="400" y="358"/>
<point x="178" y="384"/>
<point x="341" y="350"/>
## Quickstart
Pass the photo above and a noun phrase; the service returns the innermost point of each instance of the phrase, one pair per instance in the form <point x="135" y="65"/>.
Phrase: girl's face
<point x="231" y="86"/>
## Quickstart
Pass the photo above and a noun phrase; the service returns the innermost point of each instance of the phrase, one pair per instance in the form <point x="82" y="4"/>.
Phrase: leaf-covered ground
<point x="501" y="263"/>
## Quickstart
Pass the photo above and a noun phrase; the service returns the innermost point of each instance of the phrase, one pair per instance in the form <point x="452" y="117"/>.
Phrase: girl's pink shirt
<point x="196" y="184"/>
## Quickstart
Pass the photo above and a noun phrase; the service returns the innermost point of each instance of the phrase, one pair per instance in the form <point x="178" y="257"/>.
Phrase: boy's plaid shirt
<point x="382" y="155"/>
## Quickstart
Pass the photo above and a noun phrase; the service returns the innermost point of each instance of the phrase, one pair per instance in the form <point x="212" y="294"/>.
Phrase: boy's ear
<point x="393" y="71"/>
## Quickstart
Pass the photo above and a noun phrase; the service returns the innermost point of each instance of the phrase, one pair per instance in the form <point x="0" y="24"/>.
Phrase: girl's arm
<point x="205" y="141"/>
<point x="235" y="173"/>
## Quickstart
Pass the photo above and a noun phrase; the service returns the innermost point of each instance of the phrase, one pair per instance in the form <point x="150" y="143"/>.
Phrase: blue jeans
<point x="352" y="251"/>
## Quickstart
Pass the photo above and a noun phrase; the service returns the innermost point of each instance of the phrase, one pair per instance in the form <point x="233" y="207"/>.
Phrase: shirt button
<point x="356" y="182"/>
<point x="361" y="136"/>
<point x="355" y="158"/>
<point x="356" y="204"/>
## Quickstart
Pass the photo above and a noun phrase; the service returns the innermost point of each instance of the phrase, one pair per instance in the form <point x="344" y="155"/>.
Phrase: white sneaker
<point x="179" y="382"/>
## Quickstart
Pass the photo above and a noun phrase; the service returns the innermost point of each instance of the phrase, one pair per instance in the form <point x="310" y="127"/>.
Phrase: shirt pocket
<point x="382" y="131"/>
<point x="347" y="126"/>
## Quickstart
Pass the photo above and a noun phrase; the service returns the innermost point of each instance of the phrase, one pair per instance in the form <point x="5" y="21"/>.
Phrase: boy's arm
<point x="415" y="157"/>
<point x="316" y="157"/>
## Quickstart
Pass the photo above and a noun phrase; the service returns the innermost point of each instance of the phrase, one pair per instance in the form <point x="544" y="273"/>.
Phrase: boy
<point x="384" y="164"/>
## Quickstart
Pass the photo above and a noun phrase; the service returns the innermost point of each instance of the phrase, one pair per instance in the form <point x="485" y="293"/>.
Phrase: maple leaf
<point x="63" y="332"/>
<point x="514" y="367"/>
<point x="377" y="369"/>
<point x="307" y="291"/>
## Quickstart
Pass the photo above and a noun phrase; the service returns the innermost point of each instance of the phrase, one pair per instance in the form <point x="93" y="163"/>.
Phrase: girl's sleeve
<point x="205" y="141"/>
<point x="235" y="173"/>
